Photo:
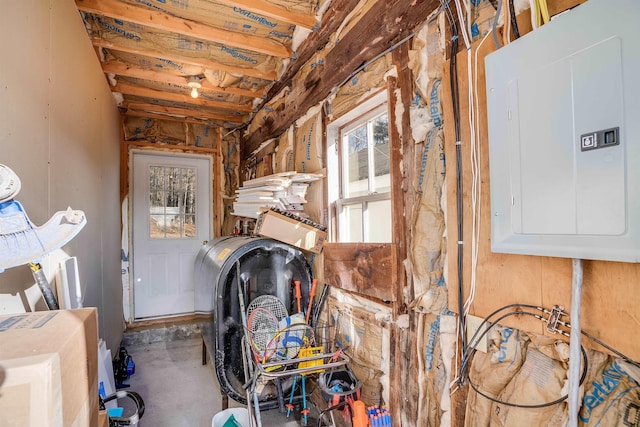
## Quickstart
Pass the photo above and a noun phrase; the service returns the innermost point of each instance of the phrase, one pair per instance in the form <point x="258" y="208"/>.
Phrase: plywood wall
<point x="610" y="300"/>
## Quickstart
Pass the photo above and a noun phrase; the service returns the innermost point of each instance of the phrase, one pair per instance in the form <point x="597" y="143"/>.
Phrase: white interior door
<point x="171" y="217"/>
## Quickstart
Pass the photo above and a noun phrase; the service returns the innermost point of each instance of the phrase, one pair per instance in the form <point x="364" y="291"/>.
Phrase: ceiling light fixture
<point x="194" y="84"/>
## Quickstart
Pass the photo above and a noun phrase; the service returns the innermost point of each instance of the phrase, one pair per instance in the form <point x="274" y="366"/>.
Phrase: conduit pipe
<point x="574" y="343"/>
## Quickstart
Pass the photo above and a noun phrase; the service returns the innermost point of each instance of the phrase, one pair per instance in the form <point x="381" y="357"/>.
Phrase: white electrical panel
<point x="564" y="136"/>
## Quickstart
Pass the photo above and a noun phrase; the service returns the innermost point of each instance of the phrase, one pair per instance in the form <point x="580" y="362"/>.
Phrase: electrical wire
<point x="366" y="64"/>
<point x="453" y="79"/>
<point x="466" y="31"/>
<point x="334" y="407"/>
<point x="539" y="13"/>
<point x="476" y="183"/>
<point x="482" y="331"/>
<point x="495" y="25"/>
<point x="474" y="153"/>
<point x="519" y="405"/>
<point x="475" y="340"/>
<point x="544" y="11"/>
<point x="514" y="22"/>
<point x="506" y="27"/>
<point x="608" y="347"/>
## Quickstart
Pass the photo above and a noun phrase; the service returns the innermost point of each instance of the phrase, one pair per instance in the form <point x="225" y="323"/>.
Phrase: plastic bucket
<point x="240" y="414"/>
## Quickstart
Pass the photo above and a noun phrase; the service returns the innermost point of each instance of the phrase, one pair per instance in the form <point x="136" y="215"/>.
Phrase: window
<point x="360" y="173"/>
<point x="172" y="202"/>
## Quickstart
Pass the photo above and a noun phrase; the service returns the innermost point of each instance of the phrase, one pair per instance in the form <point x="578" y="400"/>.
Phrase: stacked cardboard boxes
<point x="49" y="369"/>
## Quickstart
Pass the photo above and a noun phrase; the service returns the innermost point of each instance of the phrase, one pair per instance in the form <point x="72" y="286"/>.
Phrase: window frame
<point x="370" y="109"/>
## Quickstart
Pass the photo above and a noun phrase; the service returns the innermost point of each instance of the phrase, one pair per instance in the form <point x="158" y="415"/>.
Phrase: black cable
<point x="473" y="342"/>
<point x="514" y="23"/>
<point x="472" y="351"/>
<point x="455" y="97"/>
<point x="611" y="349"/>
<point x="481" y="332"/>
<point x="495" y="25"/>
<point x="540" y="405"/>
<point x="594" y="339"/>
<point x="331" y="408"/>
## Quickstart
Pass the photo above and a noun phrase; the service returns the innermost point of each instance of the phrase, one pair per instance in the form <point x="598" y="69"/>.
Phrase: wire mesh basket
<point x="294" y="346"/>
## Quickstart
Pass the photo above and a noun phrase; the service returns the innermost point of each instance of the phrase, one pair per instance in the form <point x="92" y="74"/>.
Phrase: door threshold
<point x="165" y="321"/>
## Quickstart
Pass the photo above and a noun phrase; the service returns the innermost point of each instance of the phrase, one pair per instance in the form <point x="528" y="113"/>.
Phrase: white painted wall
<point x="59" y="131"/>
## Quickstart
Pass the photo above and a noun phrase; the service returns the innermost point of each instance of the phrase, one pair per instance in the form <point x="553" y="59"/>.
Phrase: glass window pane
<point x="173" y="189"/>
<point x="382" y="178"/>
<point x="356" y="170"/>
<point x="189" y="183"/>
<point x="379" y="221"/>
<point x="173" y="226"/>
<point x="352" y="223"/>
<point x="172" y="195"/>
<point x="190" y="226"/>
<point x="156" y="228"/>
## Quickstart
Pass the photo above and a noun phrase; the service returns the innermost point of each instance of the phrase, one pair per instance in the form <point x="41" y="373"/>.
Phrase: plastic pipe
<point x="574" y="343"/>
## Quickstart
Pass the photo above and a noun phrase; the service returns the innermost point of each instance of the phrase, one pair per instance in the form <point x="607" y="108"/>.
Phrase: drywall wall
<point x="59" y="131"/>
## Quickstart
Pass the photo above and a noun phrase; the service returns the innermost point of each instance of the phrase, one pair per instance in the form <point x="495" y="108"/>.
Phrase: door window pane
<point x="172" y="202"/>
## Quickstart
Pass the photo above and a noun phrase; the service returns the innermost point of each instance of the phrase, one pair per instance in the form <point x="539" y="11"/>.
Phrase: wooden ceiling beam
<point x="127" y="89"/>
<point x="121" y="69"/>
<point x="385" y="23"/>
<point x="169" y="118"/>
<point x="251" y="72"/>
<point x="172" y="147"/>
<point x="332" y="19"/>
<point x="263" y="8"/>
<point x="162" y="21"/>
<point x="175" y="111"/>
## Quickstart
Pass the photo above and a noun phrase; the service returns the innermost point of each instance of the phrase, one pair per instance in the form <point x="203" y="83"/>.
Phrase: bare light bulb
<point x="195" y="84"/>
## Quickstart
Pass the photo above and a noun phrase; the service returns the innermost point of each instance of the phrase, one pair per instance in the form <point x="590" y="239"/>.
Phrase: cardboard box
<point x="103" y="419"/>
<point x="290" y="230"/>
<point x="49" y="368"/>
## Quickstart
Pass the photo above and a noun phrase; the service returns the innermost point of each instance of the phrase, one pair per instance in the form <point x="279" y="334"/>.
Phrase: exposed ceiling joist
<point x="332" y="19"/>
<point x="169" y="118"/>
<point x="127" y="89"/>
<point x="263" y="8"/>
<point x="121" y="69"/>
<point x="175" y="111"/>
<point x="251" y="72"/>
<point x="385" y="23"/>
<point x="162" y="21"/>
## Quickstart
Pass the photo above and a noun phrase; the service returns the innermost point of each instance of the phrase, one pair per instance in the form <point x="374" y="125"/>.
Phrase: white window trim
<point x="333" y="157"/>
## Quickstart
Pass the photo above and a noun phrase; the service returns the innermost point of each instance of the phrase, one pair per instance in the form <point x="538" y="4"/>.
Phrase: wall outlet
<point x="473" y="323"/>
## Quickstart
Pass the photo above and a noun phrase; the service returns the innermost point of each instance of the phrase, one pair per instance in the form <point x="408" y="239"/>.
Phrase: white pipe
<point x="574" y="344"/>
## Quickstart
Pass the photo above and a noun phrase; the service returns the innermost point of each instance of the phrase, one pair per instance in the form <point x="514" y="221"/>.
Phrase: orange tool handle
<point x="360" y="418"/>
<point x="298" y="294"/>
<point x="314" y="282"/>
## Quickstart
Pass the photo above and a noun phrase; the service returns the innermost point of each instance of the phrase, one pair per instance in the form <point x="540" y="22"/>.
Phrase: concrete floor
<point x="178" y="391"/>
